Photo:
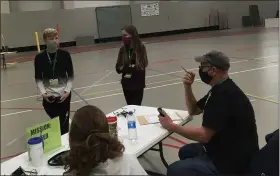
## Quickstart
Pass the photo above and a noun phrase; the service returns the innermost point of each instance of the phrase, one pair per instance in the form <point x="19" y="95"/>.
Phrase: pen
<point x="184" y="69"/>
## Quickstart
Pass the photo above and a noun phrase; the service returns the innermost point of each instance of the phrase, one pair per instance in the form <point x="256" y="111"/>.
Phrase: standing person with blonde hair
<point x="54" y="75"/>
<point x="132" y="62"/>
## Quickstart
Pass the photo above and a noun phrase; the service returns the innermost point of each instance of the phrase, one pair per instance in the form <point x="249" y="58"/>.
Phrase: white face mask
<point x="51" y="45"/>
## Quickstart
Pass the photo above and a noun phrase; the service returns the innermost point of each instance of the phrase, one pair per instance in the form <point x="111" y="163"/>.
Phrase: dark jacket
<point x="133" y="78"/>
<point x="266" y="161"/>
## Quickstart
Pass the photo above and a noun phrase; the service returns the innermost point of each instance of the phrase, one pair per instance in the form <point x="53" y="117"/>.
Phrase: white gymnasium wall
<point x="77" y="20"/>
<point x="5" y="7"/>
<point x="85" y="4"/>
<point x="34" y="5"/>
<point x="27" y="6"/>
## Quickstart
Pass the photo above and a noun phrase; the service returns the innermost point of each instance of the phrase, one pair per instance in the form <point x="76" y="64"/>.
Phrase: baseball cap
<point x="215" y="58"/>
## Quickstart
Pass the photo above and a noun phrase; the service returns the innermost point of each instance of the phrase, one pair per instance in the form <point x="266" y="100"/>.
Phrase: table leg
<point x="4" y="61"/>
<point x="161" y="154"/>
<point x="160" y="150"/>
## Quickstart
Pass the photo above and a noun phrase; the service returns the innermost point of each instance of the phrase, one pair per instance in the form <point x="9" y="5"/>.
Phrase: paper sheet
<point x="153" y="118"/>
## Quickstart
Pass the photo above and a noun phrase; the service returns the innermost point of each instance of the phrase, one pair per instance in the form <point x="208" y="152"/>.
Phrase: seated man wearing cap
<point x="228" y="137"/>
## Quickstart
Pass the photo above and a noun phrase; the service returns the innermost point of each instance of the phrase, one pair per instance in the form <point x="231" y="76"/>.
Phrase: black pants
<point x="61" y="110"/>
<point x="133" y="97"/>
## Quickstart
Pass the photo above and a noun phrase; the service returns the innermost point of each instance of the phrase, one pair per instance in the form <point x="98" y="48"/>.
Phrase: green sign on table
<point x="49" y="131"/>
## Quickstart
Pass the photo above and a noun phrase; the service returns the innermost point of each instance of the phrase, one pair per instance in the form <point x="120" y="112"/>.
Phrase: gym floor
<point x="254" y="67"/>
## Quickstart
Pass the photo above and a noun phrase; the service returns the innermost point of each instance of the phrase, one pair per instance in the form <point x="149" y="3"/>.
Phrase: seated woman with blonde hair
<point x="93" y="151"/>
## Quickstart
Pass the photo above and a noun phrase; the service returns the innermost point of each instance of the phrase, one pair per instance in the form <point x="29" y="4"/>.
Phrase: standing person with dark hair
<point x="54" y="75"/>
<point x="132" y="62"/>
<point x="93" y="151"/>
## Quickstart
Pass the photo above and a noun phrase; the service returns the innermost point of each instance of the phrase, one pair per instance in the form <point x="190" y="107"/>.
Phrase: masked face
<point x="51" y="45"/>
<point x="204" y="76"/>
<point x="126" y="39"/>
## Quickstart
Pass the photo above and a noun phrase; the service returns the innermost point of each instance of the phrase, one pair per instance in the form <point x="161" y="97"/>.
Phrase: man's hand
<point x="166" y="122"/>
<point x="64" y="96"/>
<point x="189" y="78"/>
<point x="46" y="97"/>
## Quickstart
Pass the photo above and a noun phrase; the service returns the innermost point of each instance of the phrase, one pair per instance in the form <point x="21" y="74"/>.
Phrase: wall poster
<point x="150" y="9"/>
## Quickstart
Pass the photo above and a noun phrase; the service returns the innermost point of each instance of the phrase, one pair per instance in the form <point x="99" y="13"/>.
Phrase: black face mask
<point x="204" y="76"/>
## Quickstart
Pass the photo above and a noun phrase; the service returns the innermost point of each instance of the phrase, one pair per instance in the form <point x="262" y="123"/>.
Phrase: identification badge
<point x="54" y="82"/>
<point x="127" y="75"/>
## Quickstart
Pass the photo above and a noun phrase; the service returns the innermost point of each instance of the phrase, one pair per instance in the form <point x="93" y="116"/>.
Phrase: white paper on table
<point x="175" y="116"/>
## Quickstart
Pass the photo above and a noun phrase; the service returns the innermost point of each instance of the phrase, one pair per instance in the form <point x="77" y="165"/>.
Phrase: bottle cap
<point x="130" y="113"/>
<point x="35" y="140"/>
<point x="111" y="119"/>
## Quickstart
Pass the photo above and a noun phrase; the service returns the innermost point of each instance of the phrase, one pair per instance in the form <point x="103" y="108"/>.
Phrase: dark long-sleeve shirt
<point x="137" y="74"/>
<point x="45" y="72"/>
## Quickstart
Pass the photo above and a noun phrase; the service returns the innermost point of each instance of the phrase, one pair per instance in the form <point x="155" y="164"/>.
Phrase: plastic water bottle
<point x="131" y="123"/>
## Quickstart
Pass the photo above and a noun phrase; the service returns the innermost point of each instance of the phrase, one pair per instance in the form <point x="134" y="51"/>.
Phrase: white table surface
<point x="148" y="136"/>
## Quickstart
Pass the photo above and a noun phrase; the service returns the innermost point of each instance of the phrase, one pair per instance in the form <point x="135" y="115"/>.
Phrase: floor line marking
<point x="77" y="50"/>
<point x="262" y="98"/>
<point x="105" y="96"/>
<point x="113" y="90"/>
<point x="151" y="76"/>
<point x="171" y="146"/>
<point x="149" y="88"/>
<point x="250" y="95"/>
<point x="177" y="140"/>
<point x="11" y="156"/>
<point x="253" y="69"/>
<point x="21" y="98"/>
<point x="19" y="112"/>
<point x="110" y="95"/>
<point x="175" y="80"/>
<point x="26" y="108"/>
<point x="271" y="96"/>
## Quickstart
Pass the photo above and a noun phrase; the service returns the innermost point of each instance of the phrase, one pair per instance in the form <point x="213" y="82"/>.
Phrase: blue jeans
<point x="193" y="162"/>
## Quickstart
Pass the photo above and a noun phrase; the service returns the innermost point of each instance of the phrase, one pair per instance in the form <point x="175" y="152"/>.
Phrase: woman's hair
<point x="137" y="46"/>
<point x="90" y="141"/>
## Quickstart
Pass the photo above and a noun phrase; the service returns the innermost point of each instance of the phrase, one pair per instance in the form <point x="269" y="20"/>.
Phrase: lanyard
<point x="129" y="53"/>
<point x="52" y="63"/>
<point x="210" y="92"/>
<point x="209" y="95"/>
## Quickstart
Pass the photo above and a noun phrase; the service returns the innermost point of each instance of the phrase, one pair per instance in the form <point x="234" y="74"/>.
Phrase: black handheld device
<point x="58" y="159"/>
<point x="162" y="112"/>
<point x="51" y="98"/>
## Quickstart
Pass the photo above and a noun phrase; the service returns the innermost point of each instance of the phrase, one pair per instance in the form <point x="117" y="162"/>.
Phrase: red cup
<point x="113" y="125"/>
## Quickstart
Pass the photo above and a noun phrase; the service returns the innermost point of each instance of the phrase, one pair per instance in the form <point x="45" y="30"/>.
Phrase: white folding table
<point x="148" y="136"/>
<point x="3" y="57"/>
